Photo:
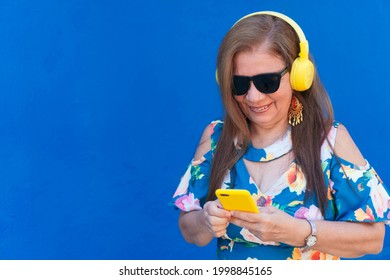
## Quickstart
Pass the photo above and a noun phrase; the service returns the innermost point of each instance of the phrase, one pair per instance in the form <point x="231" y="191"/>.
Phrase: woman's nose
<point x="254" y="94"/>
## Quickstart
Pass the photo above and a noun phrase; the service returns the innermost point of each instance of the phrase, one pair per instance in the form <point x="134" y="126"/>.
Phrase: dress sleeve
<point x="358" y="192"/>
<point x="192" y="191"/>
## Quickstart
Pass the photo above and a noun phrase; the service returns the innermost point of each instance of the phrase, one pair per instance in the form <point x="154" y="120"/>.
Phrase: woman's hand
<point x="200" y="227"/>
<point x="215" y="218"/>
<point x="273" y="225"/>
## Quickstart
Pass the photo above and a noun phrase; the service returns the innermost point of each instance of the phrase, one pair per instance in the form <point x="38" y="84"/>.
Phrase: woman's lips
<point x="261" y="109"/>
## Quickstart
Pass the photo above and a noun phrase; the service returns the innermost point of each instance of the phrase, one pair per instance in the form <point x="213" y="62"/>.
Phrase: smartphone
<point x="236" y="199"/>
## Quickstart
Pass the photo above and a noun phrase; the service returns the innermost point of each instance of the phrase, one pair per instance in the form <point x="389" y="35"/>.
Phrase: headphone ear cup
<point x="302" y="74"/>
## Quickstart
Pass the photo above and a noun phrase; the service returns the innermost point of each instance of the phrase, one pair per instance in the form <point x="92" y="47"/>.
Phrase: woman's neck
<point x="262" y="137"/>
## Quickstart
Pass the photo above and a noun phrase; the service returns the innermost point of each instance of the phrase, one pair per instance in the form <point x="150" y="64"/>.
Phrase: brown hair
<point x="280" y="39"/>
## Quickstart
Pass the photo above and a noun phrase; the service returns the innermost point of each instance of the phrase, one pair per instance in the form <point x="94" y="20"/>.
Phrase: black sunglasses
<point x="266" y="83"/>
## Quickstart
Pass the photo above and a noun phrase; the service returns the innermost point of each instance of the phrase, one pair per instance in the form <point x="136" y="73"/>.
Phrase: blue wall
<point x="102" y="104"/>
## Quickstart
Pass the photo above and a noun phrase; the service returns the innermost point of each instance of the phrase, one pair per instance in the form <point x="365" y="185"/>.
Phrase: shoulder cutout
<point x="346" y="148"/>
<point x="205" y="142"/>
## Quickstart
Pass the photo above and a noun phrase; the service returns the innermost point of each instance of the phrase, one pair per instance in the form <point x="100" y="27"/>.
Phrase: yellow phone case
<point x="236" y="199"/>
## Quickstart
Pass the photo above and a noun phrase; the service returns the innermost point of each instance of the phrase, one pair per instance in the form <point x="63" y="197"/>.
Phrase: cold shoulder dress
<point x="355" y="193"/>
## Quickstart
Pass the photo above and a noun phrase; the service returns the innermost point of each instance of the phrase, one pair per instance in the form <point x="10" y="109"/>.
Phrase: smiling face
<point x="265" y="111"/>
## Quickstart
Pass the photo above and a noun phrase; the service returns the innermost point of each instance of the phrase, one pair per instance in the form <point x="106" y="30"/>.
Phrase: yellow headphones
<point x="302" y="70"/>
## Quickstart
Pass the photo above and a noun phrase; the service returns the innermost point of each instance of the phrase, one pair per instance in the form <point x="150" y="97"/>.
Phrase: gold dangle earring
<point x="295" y="114"/>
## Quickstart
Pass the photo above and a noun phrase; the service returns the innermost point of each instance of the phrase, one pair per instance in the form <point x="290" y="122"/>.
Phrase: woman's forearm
<point x="337" y="238"/>
<point x="349" y="239"/>
<point x="193" y="228"/>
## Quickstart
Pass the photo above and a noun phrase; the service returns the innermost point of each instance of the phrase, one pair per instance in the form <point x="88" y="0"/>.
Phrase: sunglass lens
<point x="267" y="83"/>
<point x="240" y="85"/>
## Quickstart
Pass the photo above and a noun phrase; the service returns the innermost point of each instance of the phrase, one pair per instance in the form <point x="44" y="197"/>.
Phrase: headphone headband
<point x="303" y="43"/>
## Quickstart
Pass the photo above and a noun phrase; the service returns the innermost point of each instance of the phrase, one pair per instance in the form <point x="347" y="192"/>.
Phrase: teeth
<point x="260" y="109"/>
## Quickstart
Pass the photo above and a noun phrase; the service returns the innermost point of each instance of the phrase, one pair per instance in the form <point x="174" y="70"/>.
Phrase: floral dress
<point x="362" y="197"/>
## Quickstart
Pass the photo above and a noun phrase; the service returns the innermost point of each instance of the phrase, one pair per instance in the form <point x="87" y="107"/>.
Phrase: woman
<point x="318" y="197"/>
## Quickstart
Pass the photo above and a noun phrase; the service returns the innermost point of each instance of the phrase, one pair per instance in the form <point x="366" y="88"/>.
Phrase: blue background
<point x="102" y="104"/>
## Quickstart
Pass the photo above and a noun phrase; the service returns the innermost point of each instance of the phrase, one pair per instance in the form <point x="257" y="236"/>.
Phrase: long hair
<point x="280" y="39"/>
